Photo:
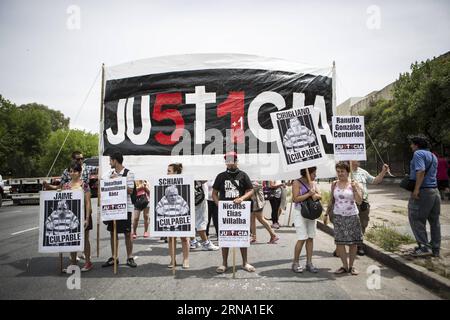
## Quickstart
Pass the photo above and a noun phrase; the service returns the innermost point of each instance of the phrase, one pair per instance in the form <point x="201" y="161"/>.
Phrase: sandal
<point x="341" y="270"/>
<point x="221" y="269"/>
<point x="185" y="265"/>
<point x="249" y="268"/>
<point x="171" y="266"/>
<point x="353" y="271"/>
<point x="296" y="267"/>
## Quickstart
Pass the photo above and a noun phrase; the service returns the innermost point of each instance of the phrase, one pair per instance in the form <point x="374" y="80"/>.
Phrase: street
<point x="26" y="274"/>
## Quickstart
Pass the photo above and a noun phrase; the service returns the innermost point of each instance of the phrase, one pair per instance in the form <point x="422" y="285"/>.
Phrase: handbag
<point x="199" y="193"/>
<point x="409" y="184"/>
<point x="311" y="209"/>
<point x="141" y="202"/>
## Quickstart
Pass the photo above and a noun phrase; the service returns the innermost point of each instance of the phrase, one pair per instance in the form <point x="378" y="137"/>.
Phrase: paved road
<point x="26" y="274"/>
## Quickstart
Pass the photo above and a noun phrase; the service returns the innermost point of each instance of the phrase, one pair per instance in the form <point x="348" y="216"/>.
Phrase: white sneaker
<point x="209" y="246"/>
<point x="195" y="244"/>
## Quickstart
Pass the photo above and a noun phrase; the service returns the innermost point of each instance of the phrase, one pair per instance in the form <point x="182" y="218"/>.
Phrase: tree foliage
<point x="79" y="140"/>
<point x="421" y="104"/>
<point x="28" y="136"/>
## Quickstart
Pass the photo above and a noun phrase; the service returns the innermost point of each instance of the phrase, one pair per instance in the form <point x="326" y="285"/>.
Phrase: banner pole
<point x="290" y="209"/>
<point x="234" y="263"/>
<point x="174" y="242"/>
<point x="333" y="88"/>
<point x="99" y="174"/>
<point x="115" y="247"/>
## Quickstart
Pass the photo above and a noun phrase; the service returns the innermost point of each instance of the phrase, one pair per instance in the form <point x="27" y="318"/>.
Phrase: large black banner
<point x="204" y="105"/>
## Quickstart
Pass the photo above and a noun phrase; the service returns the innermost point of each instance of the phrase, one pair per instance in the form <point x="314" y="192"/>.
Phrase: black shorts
<point x="123" y="226"/>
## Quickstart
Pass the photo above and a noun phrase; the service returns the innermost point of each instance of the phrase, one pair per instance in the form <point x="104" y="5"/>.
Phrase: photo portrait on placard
<point x="298" y="142"/>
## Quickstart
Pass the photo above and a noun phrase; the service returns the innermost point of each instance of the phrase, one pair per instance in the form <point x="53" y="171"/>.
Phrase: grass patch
<point x="401" y="211"/>
<point x="387" y="237"/>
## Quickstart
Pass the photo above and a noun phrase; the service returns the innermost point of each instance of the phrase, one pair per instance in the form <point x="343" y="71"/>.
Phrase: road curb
<point x="419" y="274"/>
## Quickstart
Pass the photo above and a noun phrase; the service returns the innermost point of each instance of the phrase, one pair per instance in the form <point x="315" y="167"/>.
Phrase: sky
<point x="51" y="51"/>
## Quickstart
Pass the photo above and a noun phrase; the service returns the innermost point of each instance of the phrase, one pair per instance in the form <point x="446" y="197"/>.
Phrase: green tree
<point x="421" y="104"/>
<point x="24" y="130"/>
<point x="79" y="140"/>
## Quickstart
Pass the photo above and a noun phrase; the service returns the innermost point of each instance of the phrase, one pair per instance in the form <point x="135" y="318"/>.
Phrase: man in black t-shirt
<point x="225" y="189"/>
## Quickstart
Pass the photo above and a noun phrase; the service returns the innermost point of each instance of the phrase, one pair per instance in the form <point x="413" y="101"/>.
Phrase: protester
<point x="65" y="177"/>
<point x="177" y="168"/>
<point x="442" y="176"/>
<point x="141" y="204"/>
<point x="122" y="226"/>
<point x="201" y="219"/>
<point x="425" y="202"/>
<point x="275" y="201"/>
<point x="232" y="185"/>
<point x="302" y="189"/>
<point x="76" y="183"/>
<point x="212" y="211"/>
<point x="347" y="227"/>
<point x="258" y="203"/>
<point x="363" y="178"/>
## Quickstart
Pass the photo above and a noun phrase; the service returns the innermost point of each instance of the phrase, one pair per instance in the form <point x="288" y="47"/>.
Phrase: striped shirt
<point x="61" y="222"/>
<point x="298" y="138"/>
<point x="179" y="208"/>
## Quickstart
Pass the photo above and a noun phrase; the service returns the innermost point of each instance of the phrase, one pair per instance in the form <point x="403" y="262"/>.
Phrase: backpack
<point x="133" y="195"/>
<point x="311" y="209"/>
<point x="268" y="192"/>
<point x="199" y="193"/>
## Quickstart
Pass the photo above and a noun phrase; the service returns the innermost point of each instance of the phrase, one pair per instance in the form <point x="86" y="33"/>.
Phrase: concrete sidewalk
<point x="389" y="207"/>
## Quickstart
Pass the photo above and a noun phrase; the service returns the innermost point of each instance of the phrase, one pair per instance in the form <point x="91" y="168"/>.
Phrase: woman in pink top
<point x="347" y="226"/>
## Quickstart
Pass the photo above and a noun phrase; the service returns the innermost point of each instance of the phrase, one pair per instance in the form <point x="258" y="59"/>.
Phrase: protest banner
<point x="113" y="199"/>
<point x="349" y="138"/>
<point x="61" y="221"/>
<point x="194" y="108"/>
<point x="172" y="206"/>
<point x="234" y="224"/>
<point x="299" y="144"/>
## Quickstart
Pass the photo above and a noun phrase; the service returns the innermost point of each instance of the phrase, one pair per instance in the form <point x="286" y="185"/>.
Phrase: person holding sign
<point x="123" y="226"/>
<point x="363" y="178"/>
<point x="232" y="185"/>
<point x="302" y="189"/>
<point x="76" y="183"/>
<point x="347" y="194"/>
<point x="173" y="204"/>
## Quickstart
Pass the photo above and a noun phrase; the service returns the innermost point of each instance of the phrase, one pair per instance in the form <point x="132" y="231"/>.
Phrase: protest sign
<point x="234" y="224"/>
<point x="298" y="142"/>
<point x="172" y="206"/>
<point x="61" y="221"/>
<point x="349" y="138"/>
<point x="113" y="199"/>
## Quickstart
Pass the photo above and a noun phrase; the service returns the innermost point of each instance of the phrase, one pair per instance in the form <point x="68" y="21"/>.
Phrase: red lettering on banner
<point x="235" y="106"/>
<point x="171" y="114"/>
